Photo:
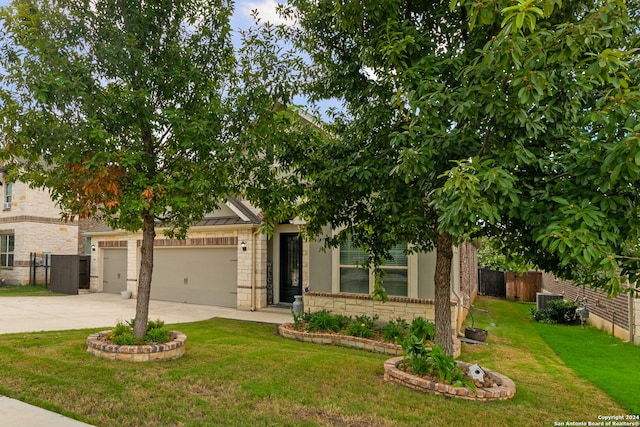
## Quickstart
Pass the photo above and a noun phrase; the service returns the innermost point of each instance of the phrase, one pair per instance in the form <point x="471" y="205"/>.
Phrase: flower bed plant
<point x="120" y="343"/>
<point x="363" y="326"/>
<point x="123" y="334"/>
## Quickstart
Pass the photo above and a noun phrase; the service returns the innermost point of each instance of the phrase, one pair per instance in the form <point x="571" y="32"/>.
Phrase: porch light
<point x="243" y="245"/>
<point x="93" y="248"/>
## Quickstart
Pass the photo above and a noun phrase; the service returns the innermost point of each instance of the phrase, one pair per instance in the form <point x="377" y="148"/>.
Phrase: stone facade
<point x="251" y="274"/>
<point x="35" y="222"/>
<point x="363" y="304"/>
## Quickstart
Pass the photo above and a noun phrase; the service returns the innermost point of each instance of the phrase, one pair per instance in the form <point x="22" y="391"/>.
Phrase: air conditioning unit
<point x="542" y="299"/>
<point x="7" y="205"/>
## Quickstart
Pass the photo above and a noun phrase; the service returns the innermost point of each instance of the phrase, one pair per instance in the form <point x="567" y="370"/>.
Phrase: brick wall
<point x="608" y="314"/>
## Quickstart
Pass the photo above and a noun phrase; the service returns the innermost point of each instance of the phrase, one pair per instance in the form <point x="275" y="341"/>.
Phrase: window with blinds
<point x="356" y="277"/>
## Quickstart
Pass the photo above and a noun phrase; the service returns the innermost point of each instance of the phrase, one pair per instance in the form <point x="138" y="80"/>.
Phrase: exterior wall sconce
<point x="243" y="245"/>
<point x="93" y="248"/>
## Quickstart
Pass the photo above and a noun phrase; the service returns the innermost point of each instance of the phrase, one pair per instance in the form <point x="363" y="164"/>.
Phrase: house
<point x="30" y="228"/>
<point x="225" y="260"/>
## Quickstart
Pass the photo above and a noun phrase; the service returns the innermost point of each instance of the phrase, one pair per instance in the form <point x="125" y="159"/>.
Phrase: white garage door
<point x="199" y="276"/>
<point x="114" y="269"/>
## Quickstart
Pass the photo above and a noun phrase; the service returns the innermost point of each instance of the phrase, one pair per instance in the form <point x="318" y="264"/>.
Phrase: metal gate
<point x="491" y="283"/>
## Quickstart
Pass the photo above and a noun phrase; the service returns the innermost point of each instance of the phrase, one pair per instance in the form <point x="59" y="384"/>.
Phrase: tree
<point x="130" y="111"/>
<point x="468" y="119"/>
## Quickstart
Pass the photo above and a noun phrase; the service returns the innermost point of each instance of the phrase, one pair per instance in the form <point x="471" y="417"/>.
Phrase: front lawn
<point x="604" y="360"/>
<point x="242" y="374"/>
<point x="25" y="291"/>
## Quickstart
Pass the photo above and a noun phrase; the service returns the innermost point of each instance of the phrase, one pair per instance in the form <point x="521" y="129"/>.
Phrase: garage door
<point x="114" y="277"/>
<point x="198" y="276"/>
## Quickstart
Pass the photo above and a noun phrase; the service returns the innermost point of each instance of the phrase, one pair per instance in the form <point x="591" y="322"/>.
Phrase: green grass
<point x="600" y="358"/>
<point x="25" y="291"/>
<point x="243" y="374"/>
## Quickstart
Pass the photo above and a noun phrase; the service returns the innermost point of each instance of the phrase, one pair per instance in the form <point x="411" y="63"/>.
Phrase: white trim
<point x="237" y="211"/>
<point x="412" y="274"/>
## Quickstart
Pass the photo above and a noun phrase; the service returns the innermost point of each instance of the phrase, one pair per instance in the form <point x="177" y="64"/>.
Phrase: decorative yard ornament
<point x="476" y="372"/>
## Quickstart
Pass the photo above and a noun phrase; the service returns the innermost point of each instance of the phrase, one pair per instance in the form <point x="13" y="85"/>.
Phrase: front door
<point x="290" y="266"/>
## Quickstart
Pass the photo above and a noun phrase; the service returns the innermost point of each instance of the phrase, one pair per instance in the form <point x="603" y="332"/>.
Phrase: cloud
<point x="266" y="11"/>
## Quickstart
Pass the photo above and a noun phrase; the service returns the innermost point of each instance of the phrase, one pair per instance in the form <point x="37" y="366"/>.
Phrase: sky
<point x="242" y="15"/>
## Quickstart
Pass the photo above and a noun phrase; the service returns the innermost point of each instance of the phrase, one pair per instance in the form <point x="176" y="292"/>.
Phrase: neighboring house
<point x="30" y="228"/>
<point x="225" y="260"/>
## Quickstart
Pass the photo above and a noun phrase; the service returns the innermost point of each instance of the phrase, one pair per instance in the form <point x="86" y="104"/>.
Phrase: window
<point x="8" y="195"/>
<point x="355" y="278"/>
<point x="87" y="249"/>
<point x="7" y="243"/>
<point x="8" y="192"/>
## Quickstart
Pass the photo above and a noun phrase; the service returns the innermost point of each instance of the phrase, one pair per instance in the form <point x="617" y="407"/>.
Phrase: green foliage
<point x="434" y="362"/>
<point x="557" y="311"/>
<point x="324" y="321"/>
<point x="123" y="334"/>
<point x="497" y="254"/>
<point x="416" y="355"/>
<point x="516" y="120"/>
<point x="423" y="329"/>
<point x="395" y="330"/>
<point x="362" y="326"/>
<point x="157" y="335"/>
<point x="140" y="114"/>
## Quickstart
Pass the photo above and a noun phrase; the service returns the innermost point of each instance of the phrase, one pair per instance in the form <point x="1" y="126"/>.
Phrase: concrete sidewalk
<point x="95" y="310"/>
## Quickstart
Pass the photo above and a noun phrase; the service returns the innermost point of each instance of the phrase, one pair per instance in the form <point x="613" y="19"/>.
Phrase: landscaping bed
<point x="99" y="345"/>
<point x="495" y="387"/>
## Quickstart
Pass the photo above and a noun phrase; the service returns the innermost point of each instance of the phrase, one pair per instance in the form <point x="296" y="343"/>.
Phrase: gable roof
<point x="243" y="215"/>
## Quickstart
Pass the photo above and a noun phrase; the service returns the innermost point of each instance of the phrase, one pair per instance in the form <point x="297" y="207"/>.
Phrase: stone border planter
<point x="137" y="353"/>
<point x="287" y="330"/>
<point x="505" y="390"/>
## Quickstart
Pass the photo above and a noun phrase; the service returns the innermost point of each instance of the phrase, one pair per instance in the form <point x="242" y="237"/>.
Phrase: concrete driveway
<point x="96" y="310"/>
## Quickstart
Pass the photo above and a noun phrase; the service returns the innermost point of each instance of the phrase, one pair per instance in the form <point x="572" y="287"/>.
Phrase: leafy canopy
<point x="120" y="108"/>
<point x="511" y="119"/>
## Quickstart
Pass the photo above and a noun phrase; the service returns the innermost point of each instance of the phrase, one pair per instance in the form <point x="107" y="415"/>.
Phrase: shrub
<point x="557" y="311"/>
<point x="362" y="326"/>
<point x="323" y="321"/>
<point x="433" y="362"/>
<point x="395" y="330"/>
<point x="123" y="334"/>
<point x="423" y="329"/>
<point x="157" y="335"/>
<point x="415" y="355"/>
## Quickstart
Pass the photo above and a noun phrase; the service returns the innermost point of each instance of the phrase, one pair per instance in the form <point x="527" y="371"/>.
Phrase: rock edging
<point x="173" y="349"/>
<point x="504" y="389"/>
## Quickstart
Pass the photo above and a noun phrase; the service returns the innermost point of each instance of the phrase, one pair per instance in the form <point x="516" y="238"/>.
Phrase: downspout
<point x="253" y="270"/>
<point x="455" y="288"/>
<point x="459" y="311"/>
<point x="631" y="316"/>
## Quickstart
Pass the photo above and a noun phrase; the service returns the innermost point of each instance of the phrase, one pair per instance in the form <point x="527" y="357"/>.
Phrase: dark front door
<point x="290" y="266"/>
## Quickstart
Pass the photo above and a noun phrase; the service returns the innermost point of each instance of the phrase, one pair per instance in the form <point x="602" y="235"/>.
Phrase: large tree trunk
<point x="144" y="280"/>
<point x="444" y="257"/>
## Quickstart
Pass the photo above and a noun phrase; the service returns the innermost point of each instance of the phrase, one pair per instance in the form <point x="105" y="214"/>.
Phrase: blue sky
<point x="242" y="15"/>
